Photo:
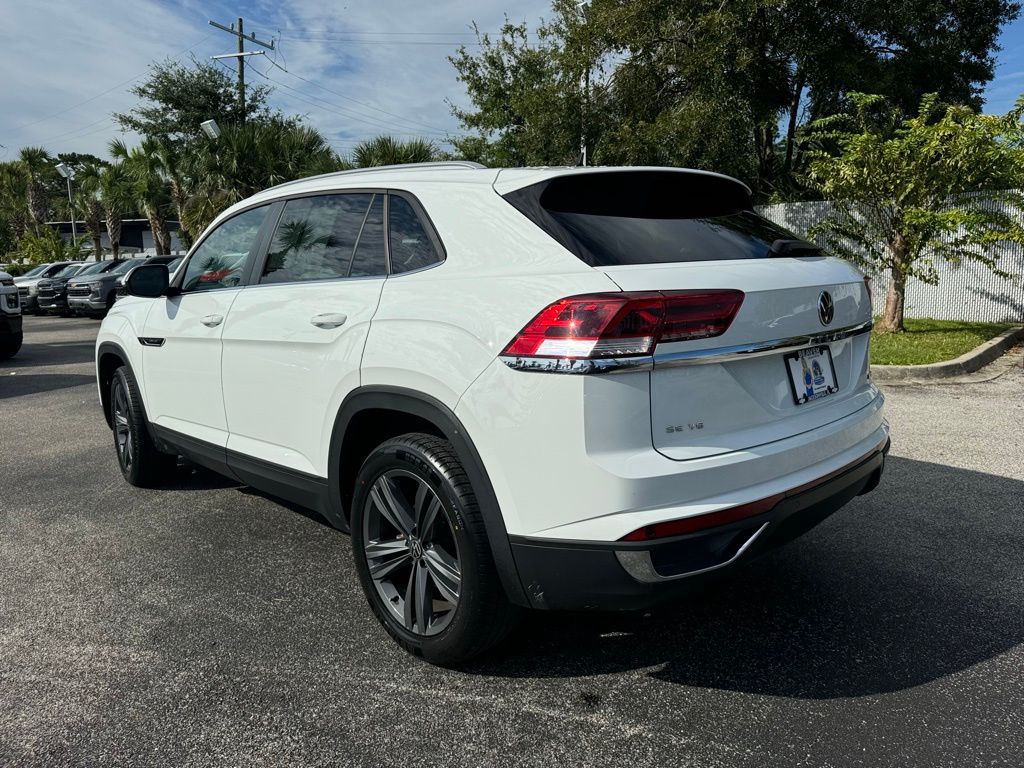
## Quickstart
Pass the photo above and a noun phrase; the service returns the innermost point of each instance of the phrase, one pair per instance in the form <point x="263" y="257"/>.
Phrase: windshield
<point x="97" y="268"/>
<point x="35" y="271"/>
<point x="126" y="265"/>
<point x="173" y="265"/>
<point x="53" y="269"/>
<point x="69" y="270"/>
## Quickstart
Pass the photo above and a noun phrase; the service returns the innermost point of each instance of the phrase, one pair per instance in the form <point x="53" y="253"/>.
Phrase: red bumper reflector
<point x="700" y="522"/>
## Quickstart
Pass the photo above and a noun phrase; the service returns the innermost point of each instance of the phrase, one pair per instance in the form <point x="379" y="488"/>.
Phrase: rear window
<point x="649" y="217"/>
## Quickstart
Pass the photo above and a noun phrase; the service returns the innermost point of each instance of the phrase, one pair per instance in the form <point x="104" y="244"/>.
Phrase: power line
<point x="104" y="93"/>
<point x="360" y="103"/>
<point x="322" y="103"/>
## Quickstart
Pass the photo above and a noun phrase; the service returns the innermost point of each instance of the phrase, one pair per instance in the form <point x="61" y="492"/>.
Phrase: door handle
<point x="328" y="320"/>
<point x="212" y="321"/>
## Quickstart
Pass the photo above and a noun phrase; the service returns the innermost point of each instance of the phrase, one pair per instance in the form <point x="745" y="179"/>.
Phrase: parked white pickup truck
<point x="10" y="317"/>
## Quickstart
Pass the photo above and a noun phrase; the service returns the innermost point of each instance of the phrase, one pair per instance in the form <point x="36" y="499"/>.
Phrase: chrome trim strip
<point x="637" y="562"/>
<point x="741" y="351"/>
<point x="565" y="365"/>
<point x="690" y="357"/>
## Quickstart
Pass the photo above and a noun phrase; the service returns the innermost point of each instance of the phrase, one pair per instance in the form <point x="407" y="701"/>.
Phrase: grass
<point x="931" y="341"/>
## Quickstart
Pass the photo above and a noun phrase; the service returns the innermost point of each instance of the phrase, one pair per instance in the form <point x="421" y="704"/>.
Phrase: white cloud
<point x="59" y="53"/>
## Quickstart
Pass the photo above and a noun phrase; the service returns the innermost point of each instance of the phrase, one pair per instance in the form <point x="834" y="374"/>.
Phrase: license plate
<point x="811" y="374"/>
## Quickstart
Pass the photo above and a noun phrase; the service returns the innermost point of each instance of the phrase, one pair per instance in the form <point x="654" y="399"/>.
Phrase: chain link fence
<point x="967" y="291"/>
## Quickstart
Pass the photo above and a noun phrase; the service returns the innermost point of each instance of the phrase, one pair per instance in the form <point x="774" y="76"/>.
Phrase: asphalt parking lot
<point x="207" y="624"/>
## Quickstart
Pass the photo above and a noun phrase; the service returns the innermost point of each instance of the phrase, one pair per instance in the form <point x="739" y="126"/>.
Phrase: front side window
<point x="411" y="246"/>
<point x="326" y="237"/>
<point x="219" y="261"/>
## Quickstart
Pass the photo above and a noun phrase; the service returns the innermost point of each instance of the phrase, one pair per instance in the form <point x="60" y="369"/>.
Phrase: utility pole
<point x="239" y="32"/>
<point x="584" y="5"/>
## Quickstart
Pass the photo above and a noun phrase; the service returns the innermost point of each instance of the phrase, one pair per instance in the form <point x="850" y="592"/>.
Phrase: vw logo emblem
<point x="826" y="309"/>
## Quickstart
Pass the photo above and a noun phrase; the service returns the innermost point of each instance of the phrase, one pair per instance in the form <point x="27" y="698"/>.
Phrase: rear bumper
<point x="580" y="575"/>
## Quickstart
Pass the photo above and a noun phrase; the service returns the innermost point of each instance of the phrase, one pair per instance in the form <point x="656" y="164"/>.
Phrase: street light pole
<point x="68" y="173"/>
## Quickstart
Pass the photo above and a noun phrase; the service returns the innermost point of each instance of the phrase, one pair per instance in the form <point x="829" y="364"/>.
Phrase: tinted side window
<point x="328" y="236"/>
<point x="220" y="260"/>
<point x="411" y="246"/>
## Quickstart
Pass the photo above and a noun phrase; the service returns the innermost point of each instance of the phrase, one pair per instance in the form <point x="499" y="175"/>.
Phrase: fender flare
<point x="109" y="347"/>
<point x="432" y="410"/>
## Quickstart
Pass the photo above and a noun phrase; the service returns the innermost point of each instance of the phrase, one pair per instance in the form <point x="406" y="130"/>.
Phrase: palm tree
<point x="249" y="158"/>
<point x="12" y="197"/>
<point x="89" y="202"/>
<point x="148" y="187"/>
<point x="115" y="194"/>
<point x="172" y="165"/>
<point x="36" y="164"/>
<point x="387" y="150"/>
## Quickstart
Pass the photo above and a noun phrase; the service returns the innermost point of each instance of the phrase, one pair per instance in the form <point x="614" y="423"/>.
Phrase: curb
<point x="968" y="362"/>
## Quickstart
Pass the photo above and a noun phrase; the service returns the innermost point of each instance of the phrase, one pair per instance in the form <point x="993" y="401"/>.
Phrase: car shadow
<point x="914" y="582"/>
<point x="18" y="384"/>
<point x="36" y="355"/>
<point x="193" y="477"/>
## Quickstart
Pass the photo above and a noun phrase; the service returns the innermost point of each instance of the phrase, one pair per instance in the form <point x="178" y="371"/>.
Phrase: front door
<point x="293" y="339"/>
<point x="182" y="336"/>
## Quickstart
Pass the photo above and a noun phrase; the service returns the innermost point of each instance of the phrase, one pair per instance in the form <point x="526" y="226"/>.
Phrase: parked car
<point x="549" y="388"/>
<point x="10" y="317"/>
<point x="51" y="292"/>
<point x="95" y="294"/>
<point x="172" y="263"/>
<point x="28" y="284"/>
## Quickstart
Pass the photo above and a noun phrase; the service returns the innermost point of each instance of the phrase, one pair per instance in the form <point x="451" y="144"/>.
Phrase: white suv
<point x="548" y="388"/>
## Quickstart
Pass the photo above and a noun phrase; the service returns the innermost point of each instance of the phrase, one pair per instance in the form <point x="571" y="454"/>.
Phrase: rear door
<point x="293" y="339"/>
<point x="795" y="356"/>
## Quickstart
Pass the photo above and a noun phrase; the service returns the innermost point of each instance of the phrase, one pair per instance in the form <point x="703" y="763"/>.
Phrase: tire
<point x="141" y="463"/>
<point x="10" y="345"/>
<point x="413" y="556"/>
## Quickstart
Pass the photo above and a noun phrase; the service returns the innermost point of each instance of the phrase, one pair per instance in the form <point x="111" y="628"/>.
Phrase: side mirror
<point x="148" y="280"/>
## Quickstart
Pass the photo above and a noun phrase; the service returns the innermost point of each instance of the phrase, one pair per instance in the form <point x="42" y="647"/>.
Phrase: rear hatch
<point x="794" y="357"/>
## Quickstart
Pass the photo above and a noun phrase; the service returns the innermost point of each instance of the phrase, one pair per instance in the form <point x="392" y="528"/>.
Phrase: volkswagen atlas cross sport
<point x="569" y="388"/>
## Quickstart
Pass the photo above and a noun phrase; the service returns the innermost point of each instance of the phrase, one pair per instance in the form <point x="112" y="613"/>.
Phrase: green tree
<point x="89" y="202"/>
<point x="116" y="196"/>
<point x="148" y="186"/>
<point x="171" y="161"/>
<point x="386" y="150"/>
<point x="37" y="167"/>
<point x="707" y="83"/>
<point x="47" y="245"/>
<point x="943" y="184"/>
<point x="249" y="158"/>
<point x="13" y="210"/>
<point x="176" y="98"/>
<point x="526" y="97"/>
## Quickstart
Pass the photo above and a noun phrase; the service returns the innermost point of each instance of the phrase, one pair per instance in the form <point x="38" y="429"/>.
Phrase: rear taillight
<point x="609" y="325"/>
<point x="867" y="284"/>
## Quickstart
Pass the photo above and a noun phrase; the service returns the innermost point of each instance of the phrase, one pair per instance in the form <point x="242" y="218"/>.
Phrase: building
<point x="136" y="236"/>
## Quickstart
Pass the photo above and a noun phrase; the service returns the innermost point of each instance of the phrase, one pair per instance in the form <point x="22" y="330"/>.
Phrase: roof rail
<point x="440" y="164"/>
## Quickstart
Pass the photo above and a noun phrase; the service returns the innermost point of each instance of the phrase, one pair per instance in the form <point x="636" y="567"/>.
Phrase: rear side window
<point x="411" y="245"/>
<point x="328" y="236"/>
<point x="649" y="217"/>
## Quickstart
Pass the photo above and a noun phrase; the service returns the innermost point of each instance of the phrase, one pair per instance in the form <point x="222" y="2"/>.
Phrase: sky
<point x="356" y="69"/>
